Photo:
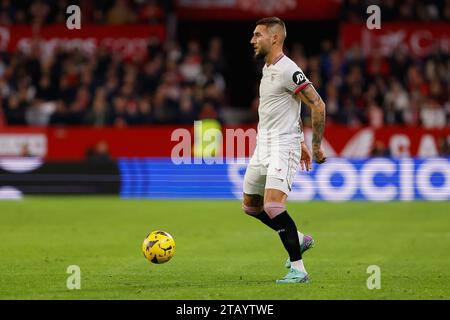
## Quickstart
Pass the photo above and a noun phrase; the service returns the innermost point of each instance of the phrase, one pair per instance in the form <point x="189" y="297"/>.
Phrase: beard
<point x="261" y="54"/>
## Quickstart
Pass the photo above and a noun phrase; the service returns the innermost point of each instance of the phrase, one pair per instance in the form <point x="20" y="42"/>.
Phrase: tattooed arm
<point x="312" y="99"/>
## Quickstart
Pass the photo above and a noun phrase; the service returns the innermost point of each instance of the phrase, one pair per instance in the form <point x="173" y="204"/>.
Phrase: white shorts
<point x="272" y="169"/>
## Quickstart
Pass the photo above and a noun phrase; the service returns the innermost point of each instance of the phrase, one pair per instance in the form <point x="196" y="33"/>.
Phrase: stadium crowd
<point x="71" y="88"/>
<point x="397" y="10"/>
<point x="179" y="85"/>
<point x="96" y="12"/>
<point x="155" y="11"/>
<point x="379" y="90"/>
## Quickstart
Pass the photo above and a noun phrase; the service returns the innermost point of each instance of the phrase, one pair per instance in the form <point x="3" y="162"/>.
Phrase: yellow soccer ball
<point x="158" y="247"/>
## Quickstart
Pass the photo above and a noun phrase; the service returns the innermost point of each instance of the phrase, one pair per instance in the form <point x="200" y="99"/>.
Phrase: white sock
<point x="298" y="265"/>
<point x="300" y="237"/>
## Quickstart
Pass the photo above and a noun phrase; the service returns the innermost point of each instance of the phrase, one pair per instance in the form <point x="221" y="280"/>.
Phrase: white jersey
<point x="279" y="110"/>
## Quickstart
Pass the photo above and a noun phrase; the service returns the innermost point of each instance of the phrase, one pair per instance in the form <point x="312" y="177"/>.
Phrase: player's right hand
<point x="306" y="158"/>
<point x="319" y="154"/>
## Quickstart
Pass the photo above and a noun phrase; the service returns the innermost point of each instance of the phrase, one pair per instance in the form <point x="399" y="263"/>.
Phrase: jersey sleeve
<point x="295" y="80"/>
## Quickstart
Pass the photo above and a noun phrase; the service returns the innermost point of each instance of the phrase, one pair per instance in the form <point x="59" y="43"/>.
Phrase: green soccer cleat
<point x="307" y="243"/>
<point x="294" y="276"/>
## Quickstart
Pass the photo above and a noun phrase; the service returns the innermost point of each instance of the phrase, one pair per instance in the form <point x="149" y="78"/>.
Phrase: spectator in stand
<point x="132" y="115"/>
<point x="188" y="108"/>
<point x="399" y="64"/>
<point x="99" y="115"/>
<point x="120" y="13"/>
<point x="2" y="116"/>
<point x="164" y="110"/>
<point x="444" y="146"/>
<point x="45" y="91"/>
<point x="332" y="102"/>
<point x="40" y="11"/>
<point x="377" y="66"/>
<point x="60" y="116"/>
<point x="432" y="115"/>
<point x="215" y="55"/>
<point x="208" y="112"/>
<point x="149" y="77"/>
<point x="150" y="12"/>
<point x="416" y="81"/>
<point x="210" y="76"/>
<point x="15" y="111"/>
<point x="145" y="110"/>
<point x="118" y="117"/>
<point x="352" y="11"/>
<point x="99" y="154"/>
<point x="191" y="66"/>
<point x="80" y="106"/>
<point x="379" y="150"/>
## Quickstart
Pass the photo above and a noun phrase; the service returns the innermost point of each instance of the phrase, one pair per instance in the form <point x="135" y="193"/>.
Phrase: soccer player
<point x="280" y="146"/>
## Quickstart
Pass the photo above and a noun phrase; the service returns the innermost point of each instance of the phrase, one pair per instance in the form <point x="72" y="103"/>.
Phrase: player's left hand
<point x="319" y="154"/>
<point x="306" y="158"/>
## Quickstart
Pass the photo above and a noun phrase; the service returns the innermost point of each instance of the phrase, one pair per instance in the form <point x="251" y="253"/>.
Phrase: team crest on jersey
<point x="298" y="77"/>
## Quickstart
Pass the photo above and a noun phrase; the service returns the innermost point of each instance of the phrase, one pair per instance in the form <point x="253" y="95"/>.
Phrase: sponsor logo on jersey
<point x="298" y="77"/>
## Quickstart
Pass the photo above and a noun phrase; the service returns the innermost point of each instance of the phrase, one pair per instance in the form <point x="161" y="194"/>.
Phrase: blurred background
<point x="93" y="110"/>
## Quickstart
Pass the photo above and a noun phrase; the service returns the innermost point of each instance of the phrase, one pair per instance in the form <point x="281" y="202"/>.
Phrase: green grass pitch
<point x="221" y="253"/>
